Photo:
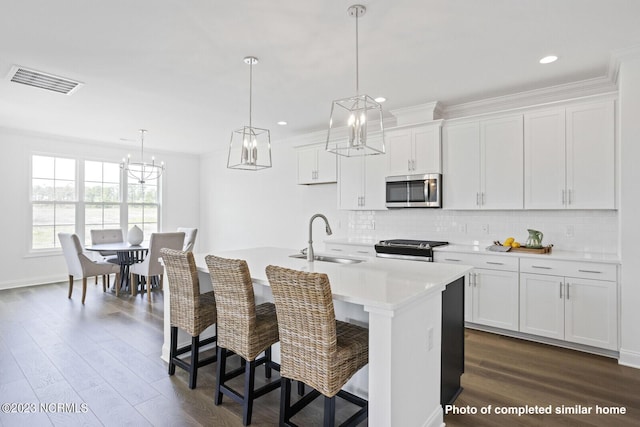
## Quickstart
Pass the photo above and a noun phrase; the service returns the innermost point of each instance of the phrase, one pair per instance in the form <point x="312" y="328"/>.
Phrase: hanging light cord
<point x="250" y="89"/>
<point x="357" y="59"/>
<point x="142" y="131"/>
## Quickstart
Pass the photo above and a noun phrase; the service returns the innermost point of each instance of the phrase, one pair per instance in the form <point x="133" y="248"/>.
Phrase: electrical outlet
<point x="429" y="339"/>
<point x="485" y="228"/>
<point x="462" y="228"/>
<point x="568" y="231"/>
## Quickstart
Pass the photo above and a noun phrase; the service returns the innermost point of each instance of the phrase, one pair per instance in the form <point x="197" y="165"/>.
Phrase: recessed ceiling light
<point x="549" y="59"/>
<point x="282" y="123"/>
<point x="380" y="99"/>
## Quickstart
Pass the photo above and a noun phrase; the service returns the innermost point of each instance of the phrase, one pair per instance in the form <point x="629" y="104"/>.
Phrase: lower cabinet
<point x="571" y="301"/>
<point x="495" y="298"/>
<point x="577" y="310"/>
<point x="491" y="291"/>
<point x="350" y="249"/>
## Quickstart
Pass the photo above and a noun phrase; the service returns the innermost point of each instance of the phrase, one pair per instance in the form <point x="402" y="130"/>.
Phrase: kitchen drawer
<point x="350" y="250"/>
<point x="583" y="270"/>
<point x="492" y="262"/>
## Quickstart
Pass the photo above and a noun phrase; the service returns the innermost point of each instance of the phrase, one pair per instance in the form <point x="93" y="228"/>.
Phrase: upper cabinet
<point x="482" y="164"/>
<point x="316" y="165"/>
<point x="413" y="150"/>
<point x="570" y="157"/>
<point x="361" y="184"/>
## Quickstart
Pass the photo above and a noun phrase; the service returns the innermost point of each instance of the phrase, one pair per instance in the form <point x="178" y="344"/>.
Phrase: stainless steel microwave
<point x="414" y="191"/>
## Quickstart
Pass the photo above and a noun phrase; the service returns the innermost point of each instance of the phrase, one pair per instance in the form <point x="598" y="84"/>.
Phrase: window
<point x="54" y="199"/>
<point x="59" y="204"/>
<point x="101" y="197"/>
<point x="143" y="206"/>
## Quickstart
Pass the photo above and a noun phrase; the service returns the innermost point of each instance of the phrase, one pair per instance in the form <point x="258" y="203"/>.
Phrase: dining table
<point x="126" y="255"/>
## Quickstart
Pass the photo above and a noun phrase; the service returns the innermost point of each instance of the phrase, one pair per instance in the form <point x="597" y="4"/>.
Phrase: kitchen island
<point x="400" y="301"/>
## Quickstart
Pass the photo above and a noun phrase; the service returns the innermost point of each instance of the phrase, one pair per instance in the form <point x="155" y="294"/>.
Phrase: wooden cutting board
<point x="542" y="250"/>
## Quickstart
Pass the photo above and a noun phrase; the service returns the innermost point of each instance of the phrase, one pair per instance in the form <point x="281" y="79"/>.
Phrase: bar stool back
<point x="190" y="310"/>
<point x="315" y="348"/>
<point x="244" y="329"/>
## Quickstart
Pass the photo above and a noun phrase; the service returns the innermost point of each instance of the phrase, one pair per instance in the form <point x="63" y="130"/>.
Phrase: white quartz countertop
<point x="554" y="254"/>
<point x="376" y="282"/>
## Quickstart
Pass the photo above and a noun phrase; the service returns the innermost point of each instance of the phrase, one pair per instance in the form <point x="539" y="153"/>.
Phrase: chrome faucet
<point x="310" y="254"/>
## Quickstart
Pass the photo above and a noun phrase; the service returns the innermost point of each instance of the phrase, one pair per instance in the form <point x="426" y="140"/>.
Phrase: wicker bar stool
<point x="189" y="310"/>
<point x="315" y="348"/>
<point x="244" y="329"/>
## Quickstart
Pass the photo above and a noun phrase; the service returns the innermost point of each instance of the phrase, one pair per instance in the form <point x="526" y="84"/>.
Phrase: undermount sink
<point x="326" y="258"/>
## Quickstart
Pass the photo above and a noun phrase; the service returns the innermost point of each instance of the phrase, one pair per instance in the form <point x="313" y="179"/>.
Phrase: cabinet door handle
<point x="362" y="252"/>
<point x="568" y="290"/>
<point x="541" y="267"/>
<point x="336" y="250"/>
<point x="560" y="290"/>
<point x="409" y="164"/>
<point x="482" y="198"/>
<point x="475" y="280"/>
<point x="590" y="271"/>
<point x="413" y="165"/>
<point x="563" y="198"/>
<point x="477" y="199"/>
<point x="452" y="259"/>
<point x="495" y="263"/>
<point x="569" y="194"/>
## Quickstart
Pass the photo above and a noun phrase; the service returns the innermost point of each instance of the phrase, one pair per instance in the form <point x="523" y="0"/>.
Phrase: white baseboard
<point x="33" y="281"/>
<point x="436" y="419"/>
<point x="629" y="358"/>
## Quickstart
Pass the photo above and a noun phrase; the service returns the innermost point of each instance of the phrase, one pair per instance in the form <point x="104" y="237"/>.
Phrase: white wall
<point x="629" y="90"/>
<point x="180" y="199"/>
<point x="243" y="209"/>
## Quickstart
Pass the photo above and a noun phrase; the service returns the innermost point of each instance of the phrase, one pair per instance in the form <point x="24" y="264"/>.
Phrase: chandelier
<point x="142" y="171"/>
<point x="250" y="147"/>
<point x="353" y="118"/>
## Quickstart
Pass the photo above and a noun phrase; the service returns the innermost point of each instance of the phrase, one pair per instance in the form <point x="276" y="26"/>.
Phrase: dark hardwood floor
<point x="102" y="360"/>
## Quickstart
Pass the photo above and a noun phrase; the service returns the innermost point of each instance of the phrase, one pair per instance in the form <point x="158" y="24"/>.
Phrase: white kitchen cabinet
<point x="413" y="150"/>
<point x="495" y="298"/>
<point x="361" y="184"/>
<point x="491" y="291"/>
<point x="577" y="309"/>
<point x="482" y="164"/>
<point x="570" y="157"/>
<point x="316" y="165"/>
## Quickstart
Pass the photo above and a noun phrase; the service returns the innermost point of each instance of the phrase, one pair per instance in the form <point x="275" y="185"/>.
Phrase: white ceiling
<point x="176" y="67"/>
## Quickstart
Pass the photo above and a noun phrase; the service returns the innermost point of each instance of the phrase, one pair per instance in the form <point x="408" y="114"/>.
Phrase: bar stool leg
<point x="329" y="411"/>
<point x="195" y="351"/>
<point x="267" y="364"/>
<point x="173" y="348"/>
<point x="221" y="369"/>
<point x="285" y="400"/>
<point x="247" y="404"/>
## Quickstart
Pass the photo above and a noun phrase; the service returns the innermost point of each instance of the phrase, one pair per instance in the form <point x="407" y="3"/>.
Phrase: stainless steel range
<point x="417" y="250"/>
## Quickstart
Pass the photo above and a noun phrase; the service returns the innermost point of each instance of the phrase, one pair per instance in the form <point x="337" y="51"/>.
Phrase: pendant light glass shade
<point x="142" y="171"/>
<point x="355" y="126"/>
<point x="250" y="147"/>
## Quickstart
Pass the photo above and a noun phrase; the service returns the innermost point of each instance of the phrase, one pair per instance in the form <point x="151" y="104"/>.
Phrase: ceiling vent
<point x="42" y="80"/>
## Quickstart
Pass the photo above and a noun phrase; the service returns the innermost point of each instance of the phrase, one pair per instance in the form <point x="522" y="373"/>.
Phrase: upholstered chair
<point x="189" y="238"/>
<point x="82" y="266"/>
<point x="151" y="267"/>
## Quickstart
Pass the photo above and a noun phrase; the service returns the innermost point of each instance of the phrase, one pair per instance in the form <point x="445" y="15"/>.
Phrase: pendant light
<point x="354" y="119"/>
<point x="250" y="147"/>
<point x="142" y="171"/>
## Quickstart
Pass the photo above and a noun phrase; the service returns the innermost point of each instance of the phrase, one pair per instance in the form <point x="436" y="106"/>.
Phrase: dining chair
<point x="151" y="266"/>
<point x="81" y="265"/>
<point x="244" y="328"/>
<point x="107" y="235"/>
<point x="190" y="310"/>
<point x="315" y="348"/>
<point x="189" y="238"/>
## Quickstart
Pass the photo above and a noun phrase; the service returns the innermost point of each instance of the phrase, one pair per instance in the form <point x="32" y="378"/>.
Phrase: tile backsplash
<point x="591" y="231"/>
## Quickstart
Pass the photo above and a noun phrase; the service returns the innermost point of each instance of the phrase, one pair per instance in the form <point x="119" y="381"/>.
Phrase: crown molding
<point x="617" y="57"/>
<point x="418" y="113"/>
<point x="579" y="89"/>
